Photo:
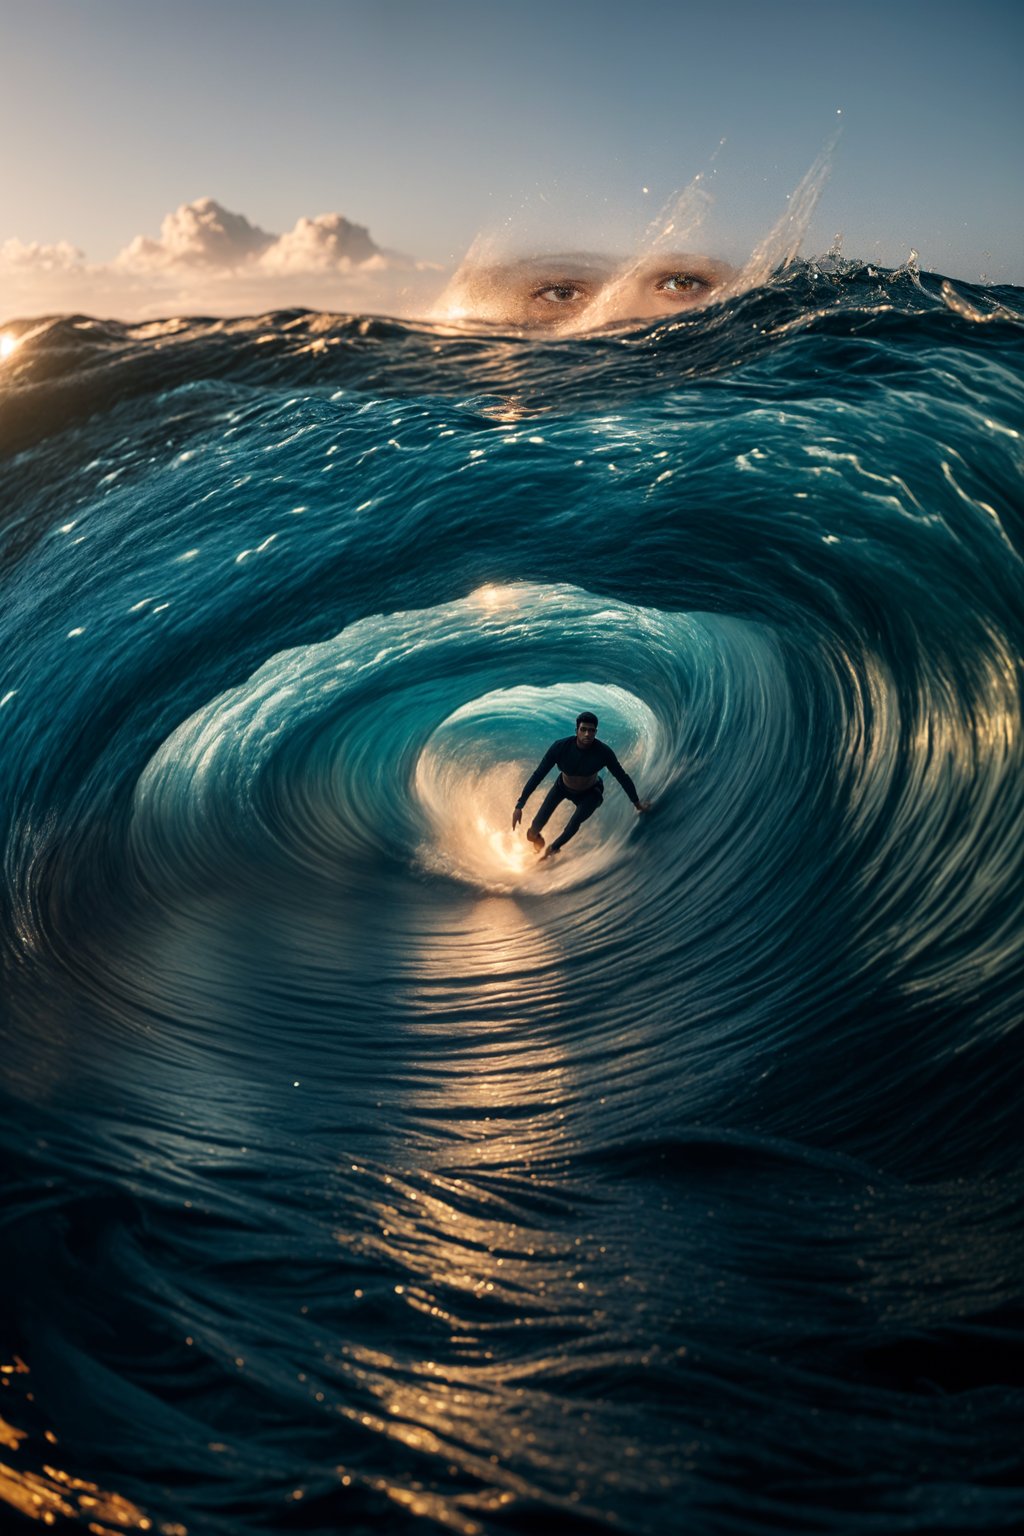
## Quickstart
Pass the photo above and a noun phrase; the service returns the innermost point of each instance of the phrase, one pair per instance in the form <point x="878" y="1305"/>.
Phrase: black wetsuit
<point x="569" y="757"/>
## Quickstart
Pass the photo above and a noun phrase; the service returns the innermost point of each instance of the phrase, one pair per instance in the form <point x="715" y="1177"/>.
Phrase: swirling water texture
<point x="363" y="1170"/>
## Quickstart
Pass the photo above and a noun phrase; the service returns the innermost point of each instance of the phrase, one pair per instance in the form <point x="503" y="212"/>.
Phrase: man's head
<point x="580" y="291"/>
<point x="586" y="728"/>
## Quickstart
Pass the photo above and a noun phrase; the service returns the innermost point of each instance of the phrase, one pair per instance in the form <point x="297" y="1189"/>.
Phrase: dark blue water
<point x="361" y="1173"/>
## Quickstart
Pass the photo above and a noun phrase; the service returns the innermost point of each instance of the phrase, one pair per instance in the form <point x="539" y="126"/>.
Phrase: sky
<point x="557" y="124"/>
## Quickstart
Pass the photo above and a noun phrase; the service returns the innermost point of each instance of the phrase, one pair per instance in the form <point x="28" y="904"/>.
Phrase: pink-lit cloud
<point x="199" y="234"/>
<point x="208" y="259"/>
<point x="17" y="256"/>
<point x="325" y="243"/>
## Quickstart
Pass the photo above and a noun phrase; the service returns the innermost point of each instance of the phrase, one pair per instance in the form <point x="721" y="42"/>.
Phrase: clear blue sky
<point x="428" y="119"/>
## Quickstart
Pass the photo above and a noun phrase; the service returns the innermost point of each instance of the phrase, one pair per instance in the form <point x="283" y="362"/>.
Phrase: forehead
<point x="522" y="272"/>
<point x="591" y="267"/>
<point x="580" y="263"/>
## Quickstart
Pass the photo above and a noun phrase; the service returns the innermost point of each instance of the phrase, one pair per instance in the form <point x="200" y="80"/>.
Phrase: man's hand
<point x="517" y="816"/>
<point x="643" y="805"/>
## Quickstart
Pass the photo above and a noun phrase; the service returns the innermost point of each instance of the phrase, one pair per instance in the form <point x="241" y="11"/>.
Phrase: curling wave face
<point x="408" y="737"/>
<point x="428" y="1186"/>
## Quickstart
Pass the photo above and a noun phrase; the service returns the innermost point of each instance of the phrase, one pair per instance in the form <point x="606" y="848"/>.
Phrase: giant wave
<point x="362" y="1170"/>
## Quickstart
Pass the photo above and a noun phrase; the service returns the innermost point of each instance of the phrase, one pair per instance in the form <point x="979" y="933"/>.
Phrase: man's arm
<point x="543" y="768"/>
<point x="617" y="771"/>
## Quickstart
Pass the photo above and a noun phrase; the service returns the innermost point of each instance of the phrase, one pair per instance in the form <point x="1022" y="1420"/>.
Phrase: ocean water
<point x="363" y="1174"/>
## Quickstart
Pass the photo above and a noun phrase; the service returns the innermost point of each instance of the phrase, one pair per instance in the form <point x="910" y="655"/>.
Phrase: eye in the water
<point x="559" y="293"/>
<point x="683" y="283"/>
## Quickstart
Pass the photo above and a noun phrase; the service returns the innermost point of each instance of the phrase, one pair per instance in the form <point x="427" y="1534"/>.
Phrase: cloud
<point x="210" y="260"/>
<point x="199" y="234"/>
<point x="17" y="256"/>
<point x="206" y="235"/>
<point x="317" y="245"/>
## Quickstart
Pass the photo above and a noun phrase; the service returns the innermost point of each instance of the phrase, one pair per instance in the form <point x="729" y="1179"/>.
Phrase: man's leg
<point x="555" y="795"/>
<point x="586" y="805"/>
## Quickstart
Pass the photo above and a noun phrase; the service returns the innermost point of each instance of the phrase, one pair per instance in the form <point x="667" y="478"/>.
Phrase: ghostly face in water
<point x="582" y="292"/>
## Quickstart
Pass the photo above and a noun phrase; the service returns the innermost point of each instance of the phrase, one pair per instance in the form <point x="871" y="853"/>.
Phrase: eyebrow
<point x="539" y="268"/>
<point x="684" y="262"/>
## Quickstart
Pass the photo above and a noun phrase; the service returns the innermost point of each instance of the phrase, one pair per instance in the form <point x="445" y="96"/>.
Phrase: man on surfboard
<point x="579" y="759"/>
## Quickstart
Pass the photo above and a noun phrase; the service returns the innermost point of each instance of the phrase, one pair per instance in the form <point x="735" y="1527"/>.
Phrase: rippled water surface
<point x="362" y="1172"/>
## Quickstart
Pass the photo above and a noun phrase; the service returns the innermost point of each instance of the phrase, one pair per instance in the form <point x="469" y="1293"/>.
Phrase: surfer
<point x="579" y="759"/>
